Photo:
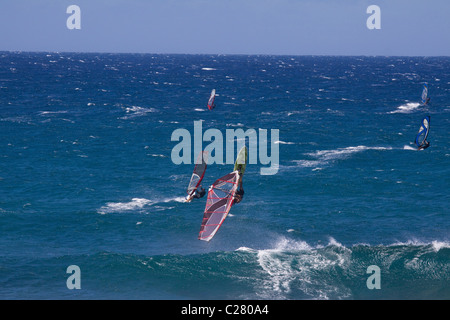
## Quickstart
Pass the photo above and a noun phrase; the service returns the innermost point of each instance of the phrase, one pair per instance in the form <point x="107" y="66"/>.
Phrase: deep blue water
<point x="87" y="179"/>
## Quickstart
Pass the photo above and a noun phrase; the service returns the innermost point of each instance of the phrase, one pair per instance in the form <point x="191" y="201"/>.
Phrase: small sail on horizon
<point x="424" y="96"/>
<point x="212" y="97"/>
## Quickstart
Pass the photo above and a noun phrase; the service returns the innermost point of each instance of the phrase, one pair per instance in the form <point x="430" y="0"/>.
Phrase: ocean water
<point x="87" y="179"/>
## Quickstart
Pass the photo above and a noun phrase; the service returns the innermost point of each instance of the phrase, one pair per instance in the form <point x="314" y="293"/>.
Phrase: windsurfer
<point x="199" y="193"/>
<point x="424" y="146"/>
<point x="212" y="97"/>
<point x="239" y="195"/>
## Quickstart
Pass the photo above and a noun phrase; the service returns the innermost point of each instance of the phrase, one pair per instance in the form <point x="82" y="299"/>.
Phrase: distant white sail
<point x="425" y="93"/>
<point x="422" y="134"/>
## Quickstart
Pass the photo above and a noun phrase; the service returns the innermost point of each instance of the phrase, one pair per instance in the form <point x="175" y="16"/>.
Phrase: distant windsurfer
<point x="425" y="98"/>
<point x="239" y="195"/>
<point x="212" y="97"/>
<point x="198" y="193"/>
<point x="425" y="145"/>
<point x="211" y="105"/>
<point x="422" y="135"/>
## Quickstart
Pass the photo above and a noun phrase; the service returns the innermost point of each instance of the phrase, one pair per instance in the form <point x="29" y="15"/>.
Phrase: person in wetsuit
<point x="239" y="195"/>
<point x="424" y="146"/>
<point x="199" y="192"/>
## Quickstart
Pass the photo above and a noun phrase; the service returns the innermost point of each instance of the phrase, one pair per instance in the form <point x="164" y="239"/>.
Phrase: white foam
<point x="134" y="204"/>
<point x="294" y="112"/>
<point x="307" y="163"/>
<point x="176" y="199"/>
<point x="138" y="204"/>
<point x="235" y="124"/>
<point x="282" y="142"/>
<point x="290" y="261"/>
<point x="279" y="269"/>
<point x="246" y="249"/>
<point x="406" y="108"/>
<point x="342" y="152"/>
<point x="52" y="112"/>
<point x="333" y="242"/>
<point x="435" y="244"/>
<point x="438" y="245"/>
<point x="135" y="111"/>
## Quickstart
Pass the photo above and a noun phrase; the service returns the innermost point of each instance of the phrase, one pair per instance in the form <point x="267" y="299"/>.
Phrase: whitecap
<point x="235" y="124"/>
<point x="134" y="204"/>
<point x="406" y="108"/>
<point x="176" y="199"/>
<point x="136" y="111"/>
<point x="438" y="245"/>
<point x="307" y="163"/>
<point x="342" y="152"/>
<point x="290" y="260"/>
<point x="137" y="204"/>
<point x="52" y="112"/>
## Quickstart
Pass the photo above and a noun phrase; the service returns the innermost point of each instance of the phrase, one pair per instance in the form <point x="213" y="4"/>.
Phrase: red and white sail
<point x="212" y="97"/>
<point x="218" y="204"/>
<point x="198" y="174"/>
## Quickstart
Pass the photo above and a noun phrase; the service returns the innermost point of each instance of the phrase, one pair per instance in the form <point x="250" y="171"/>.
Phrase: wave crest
<point x="406" y="108"/>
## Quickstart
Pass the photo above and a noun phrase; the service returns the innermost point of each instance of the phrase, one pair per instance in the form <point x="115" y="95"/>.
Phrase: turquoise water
<point x="87" y="179"/>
